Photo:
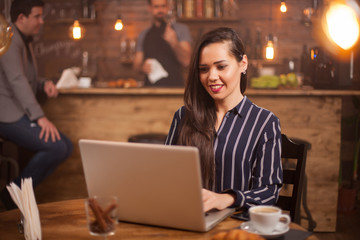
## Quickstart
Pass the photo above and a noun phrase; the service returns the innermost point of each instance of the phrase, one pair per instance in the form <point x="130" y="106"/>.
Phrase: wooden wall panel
<point x="103" y="42"/>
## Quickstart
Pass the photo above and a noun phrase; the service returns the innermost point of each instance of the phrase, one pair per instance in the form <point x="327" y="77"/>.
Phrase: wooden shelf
<point x="71" y="20"/>
<point x="206" y="20"/>
<point x="265" y="62"/>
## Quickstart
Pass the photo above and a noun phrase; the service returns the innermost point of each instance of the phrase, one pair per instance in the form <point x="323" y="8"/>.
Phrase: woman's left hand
<point x="218" y="201"/>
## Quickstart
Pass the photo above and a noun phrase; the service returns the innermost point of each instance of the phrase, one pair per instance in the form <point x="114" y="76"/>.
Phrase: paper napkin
<point x="68" y="78"/>
<point x="157" y="71"/>
<point x="24" y="198"/>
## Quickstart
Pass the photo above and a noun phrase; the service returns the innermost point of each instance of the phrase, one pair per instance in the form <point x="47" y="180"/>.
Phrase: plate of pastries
<point x="237" y="234"/>
<point x="123" y="83"/>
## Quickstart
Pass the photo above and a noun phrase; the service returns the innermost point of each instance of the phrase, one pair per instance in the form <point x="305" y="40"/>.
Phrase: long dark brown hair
<point x="198" y="125"/>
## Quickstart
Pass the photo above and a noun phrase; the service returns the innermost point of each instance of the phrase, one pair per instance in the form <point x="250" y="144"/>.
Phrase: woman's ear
<point x="244" y="63"/>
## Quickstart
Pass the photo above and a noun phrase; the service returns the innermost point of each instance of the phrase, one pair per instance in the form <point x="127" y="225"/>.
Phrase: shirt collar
<point x="26" y="39"/>
<point x="242" y="108"/>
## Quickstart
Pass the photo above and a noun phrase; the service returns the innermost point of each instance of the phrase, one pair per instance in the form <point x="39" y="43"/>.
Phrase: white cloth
<point x="68" y="78"/>
<point x="24" y="198"/>
<point x="157" y="71"/>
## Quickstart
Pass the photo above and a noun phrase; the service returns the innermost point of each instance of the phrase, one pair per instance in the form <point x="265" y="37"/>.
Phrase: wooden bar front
<point x="116" y="114"/>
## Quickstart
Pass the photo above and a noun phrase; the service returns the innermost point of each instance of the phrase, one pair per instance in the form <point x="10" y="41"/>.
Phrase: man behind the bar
<point x="22" y="120"/>
<point x="168" y="43"/>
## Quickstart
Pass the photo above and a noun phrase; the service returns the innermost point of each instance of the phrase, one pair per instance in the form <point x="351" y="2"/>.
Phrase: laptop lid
<point x="156" y="184"/>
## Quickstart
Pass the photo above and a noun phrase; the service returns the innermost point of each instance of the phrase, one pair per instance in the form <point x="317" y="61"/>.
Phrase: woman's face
<point x="220" y="73"/>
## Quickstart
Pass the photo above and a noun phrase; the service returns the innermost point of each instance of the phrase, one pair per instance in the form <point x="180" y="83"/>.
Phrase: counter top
<point x="180" y="91"/>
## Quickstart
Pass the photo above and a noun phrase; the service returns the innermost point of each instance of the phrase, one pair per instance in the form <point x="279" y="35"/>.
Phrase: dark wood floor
<point x="68" y="182"/>
<point x="347" y="227"/>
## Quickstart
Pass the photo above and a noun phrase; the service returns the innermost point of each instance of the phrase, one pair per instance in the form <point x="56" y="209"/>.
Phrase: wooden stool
<point x="9" y="167"/>
<point x="155" y="138"/>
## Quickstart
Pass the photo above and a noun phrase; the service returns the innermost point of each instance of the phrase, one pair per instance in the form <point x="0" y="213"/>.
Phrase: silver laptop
<point x="156" y="184"/>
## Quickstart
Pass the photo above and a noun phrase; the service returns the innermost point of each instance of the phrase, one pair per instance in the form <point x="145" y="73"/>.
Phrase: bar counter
<point x="310" y="115"/>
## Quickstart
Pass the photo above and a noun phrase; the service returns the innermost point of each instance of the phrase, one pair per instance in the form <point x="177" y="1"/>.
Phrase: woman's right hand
<point x="215" y="200"/>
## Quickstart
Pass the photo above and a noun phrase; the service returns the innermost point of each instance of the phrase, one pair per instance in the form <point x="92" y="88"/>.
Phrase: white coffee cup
<point x="266" y="218"/>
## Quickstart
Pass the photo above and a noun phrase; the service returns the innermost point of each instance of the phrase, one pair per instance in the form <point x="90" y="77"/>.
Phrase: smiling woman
<point x="239" y="142"/>
<point x="220" y="73"/>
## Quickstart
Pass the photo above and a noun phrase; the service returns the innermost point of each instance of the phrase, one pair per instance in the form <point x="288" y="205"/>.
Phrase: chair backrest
<point x="294" y="177"/>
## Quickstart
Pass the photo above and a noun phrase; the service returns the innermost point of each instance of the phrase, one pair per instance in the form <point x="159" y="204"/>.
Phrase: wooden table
<point x="66" y="220"/>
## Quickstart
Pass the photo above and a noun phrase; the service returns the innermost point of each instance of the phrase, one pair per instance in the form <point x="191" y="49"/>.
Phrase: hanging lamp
<point x="76" y="30"/>
<point x="119" y="25"/>
<point x="270" y="41"/>
<point x="283" y="7"/>
<point x="270" y="48"/>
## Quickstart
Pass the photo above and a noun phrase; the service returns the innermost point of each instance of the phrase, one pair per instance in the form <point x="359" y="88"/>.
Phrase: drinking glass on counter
<point x="101" y="215"/>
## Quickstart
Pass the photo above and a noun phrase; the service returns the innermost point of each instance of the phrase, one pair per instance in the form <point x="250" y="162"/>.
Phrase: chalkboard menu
<point x="55" y="50"/>
<point x="54" y="56"/>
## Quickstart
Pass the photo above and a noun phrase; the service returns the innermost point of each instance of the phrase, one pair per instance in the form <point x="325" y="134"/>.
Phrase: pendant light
<point x="119" y="25"/>
<point x="270" y="43"/>
<point x="76" y="30"/>
<point x="283" y="7"/>
<point x="270" y="49"/>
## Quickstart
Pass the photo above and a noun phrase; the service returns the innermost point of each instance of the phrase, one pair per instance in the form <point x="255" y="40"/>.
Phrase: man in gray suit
<point x="22" y="120"/>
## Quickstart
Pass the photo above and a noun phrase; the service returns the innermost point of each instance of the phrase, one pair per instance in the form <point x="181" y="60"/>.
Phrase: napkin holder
<point x="24" y="198"/>
<point x="69" y="78"/>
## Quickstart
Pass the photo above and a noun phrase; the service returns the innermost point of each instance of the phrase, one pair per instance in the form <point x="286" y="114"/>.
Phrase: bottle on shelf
<point x="85" y="64"/>
<point x="305" y="66"/>
<point x="258" y="45"/>
<point x="226" y="8"/>
<point x="230" y="8"/>
<point x="199" y="8"/>
<point x="85" y="9"/>
<point x="248" y="43"/>
<point x="179" y="8"/>
<point x="85" y="77"/>
<point x="189" y="8"/>
<point x="209" y="8"/>
<point x="217" y="9"/>
<point x="304" y="60"/>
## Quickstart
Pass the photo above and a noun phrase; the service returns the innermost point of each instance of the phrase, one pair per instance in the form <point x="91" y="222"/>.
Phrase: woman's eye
<point x="221" y="67"/>
<point x="203" y="69"/>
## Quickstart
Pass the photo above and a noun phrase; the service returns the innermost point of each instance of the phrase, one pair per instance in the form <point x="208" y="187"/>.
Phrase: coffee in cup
<point x="266" y="218"/>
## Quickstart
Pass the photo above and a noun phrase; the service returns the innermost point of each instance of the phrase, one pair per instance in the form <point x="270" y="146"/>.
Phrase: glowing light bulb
<point x="283" y="7"/>
<point x="119" y="25"/>
<point x="77" y="31"/>
<point x="342" y="25"/>
<point x="269" y="50"/>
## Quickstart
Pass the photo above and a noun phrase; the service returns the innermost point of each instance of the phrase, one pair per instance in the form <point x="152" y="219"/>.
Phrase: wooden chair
<point x="294" y="177"/>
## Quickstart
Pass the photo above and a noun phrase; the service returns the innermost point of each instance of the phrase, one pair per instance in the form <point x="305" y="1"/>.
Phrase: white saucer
<point x="280" y="230"/>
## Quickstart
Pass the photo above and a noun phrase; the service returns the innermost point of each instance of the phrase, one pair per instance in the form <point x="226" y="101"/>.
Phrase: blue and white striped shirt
<point x="247" y="154"/>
